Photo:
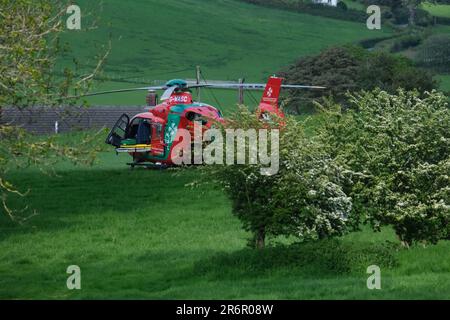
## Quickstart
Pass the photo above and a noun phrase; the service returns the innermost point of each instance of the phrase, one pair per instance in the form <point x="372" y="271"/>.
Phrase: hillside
<point x="229" y="39"/>
<point x="438" y="10"/>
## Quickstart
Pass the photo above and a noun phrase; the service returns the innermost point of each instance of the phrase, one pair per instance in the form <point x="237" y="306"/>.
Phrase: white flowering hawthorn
<point x="399" y="146"/>
<point x="304" y="199"/>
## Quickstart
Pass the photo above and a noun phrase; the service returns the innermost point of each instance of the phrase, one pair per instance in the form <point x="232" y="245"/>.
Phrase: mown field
<point x="144" y="234"/>
<point x="160" y="40"/>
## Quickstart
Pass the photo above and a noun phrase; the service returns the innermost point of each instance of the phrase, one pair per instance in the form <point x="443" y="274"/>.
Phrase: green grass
<point x="144" y="234"/>
<point x="445" y="82"/>
<point x="229" y="39"/>
<point x="438" y="10"/>
<point x="356" y="5"/>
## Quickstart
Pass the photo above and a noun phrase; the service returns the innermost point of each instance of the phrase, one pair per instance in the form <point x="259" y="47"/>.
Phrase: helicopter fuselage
<point x="151" y="136"/>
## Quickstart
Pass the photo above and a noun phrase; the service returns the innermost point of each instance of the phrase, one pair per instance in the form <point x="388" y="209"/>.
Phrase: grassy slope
<point x="444" y="78"/>
<point x="144" y="234"/>
<point x="229" y="39"/>
<point x="410" y="53"/>
<point x="353" y="4"/>
<point x="438" y="10"/>
<point x="445" y="82"/>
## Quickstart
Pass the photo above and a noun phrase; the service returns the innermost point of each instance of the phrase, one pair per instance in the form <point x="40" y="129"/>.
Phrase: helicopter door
<point x="157" y="139"/>
<point x="119" y="131"/>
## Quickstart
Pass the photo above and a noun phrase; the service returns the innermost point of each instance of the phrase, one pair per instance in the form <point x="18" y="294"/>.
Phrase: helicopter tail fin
<point x="272" y="92"/>
<point x="270" y="98"/>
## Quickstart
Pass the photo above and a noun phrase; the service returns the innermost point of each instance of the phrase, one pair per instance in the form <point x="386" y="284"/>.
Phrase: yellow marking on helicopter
<point x="135" y="148"/>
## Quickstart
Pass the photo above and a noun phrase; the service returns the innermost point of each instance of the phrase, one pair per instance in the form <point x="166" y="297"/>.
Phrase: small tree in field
<point x="305" y="199"/>
<point x="400" y="146"/>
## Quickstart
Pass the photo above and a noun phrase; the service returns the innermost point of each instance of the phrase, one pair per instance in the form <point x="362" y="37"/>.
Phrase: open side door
<point x="119" y="131"/>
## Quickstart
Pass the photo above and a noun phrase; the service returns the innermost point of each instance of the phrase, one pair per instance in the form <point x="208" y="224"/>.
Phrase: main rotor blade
<point x="298" y="86"/>
<point x="166" y="95"/>
<point x="258" y="86"/>
<point x="169" y="90"/>
<point x="118" y="91"/>
<point x="137" y="89"/>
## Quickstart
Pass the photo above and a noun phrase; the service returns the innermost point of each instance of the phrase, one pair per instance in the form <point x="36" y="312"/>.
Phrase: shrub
<point x="435" y="52"/>
<point x="305" y="199"/>
<point x="406" y="42"/>
<point x="342" y="5"/>
<point x="390" y="72"/>
<point x="423" y="18"/>
<point x="334" y="68"/>
<point x="399" y="146"/>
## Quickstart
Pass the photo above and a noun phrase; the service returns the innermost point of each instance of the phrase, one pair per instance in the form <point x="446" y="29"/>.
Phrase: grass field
<point x="157" y="40"/>
<point x="353" y="4"/>
<point x="145" y="234"/>
<point x="445" y="82"/>
<point x="438" y="10"/>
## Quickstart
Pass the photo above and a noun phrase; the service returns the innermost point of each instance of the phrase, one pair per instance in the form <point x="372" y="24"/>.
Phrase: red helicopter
<point x="151" y="136"/>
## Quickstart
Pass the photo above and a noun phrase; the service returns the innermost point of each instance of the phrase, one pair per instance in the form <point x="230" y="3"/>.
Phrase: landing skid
<point x="147" y="165"/>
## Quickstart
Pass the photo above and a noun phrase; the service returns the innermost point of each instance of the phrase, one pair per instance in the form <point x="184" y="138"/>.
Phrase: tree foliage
<point x="399" y="147"/>
<point x="29" y="48"/>
<point x="305" y="199"/>
<point x="351" y="69"/>
<point x="384" y="161"/>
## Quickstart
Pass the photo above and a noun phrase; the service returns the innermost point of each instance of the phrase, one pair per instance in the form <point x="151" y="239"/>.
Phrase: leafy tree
<point x="334" y="68"/>
<point x="412" y="6"/>
<point x="343" y="69"/>
<point x="389" y="73"/>
<point x="29" y="48"/>
<point x="305" y="199"/>
<point x="399" y="147"/>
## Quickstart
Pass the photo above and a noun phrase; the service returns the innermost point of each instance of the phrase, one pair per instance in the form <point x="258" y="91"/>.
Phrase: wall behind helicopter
<point x="48" y="120"/>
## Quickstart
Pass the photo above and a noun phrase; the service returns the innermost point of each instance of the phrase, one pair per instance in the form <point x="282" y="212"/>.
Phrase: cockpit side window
<point x="139" y="129"/>
<point x="158" y="130"/>
<point x="143" y="135"/>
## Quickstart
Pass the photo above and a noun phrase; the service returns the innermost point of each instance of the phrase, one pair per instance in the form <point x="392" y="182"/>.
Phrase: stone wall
<point x="41" y="120"/>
